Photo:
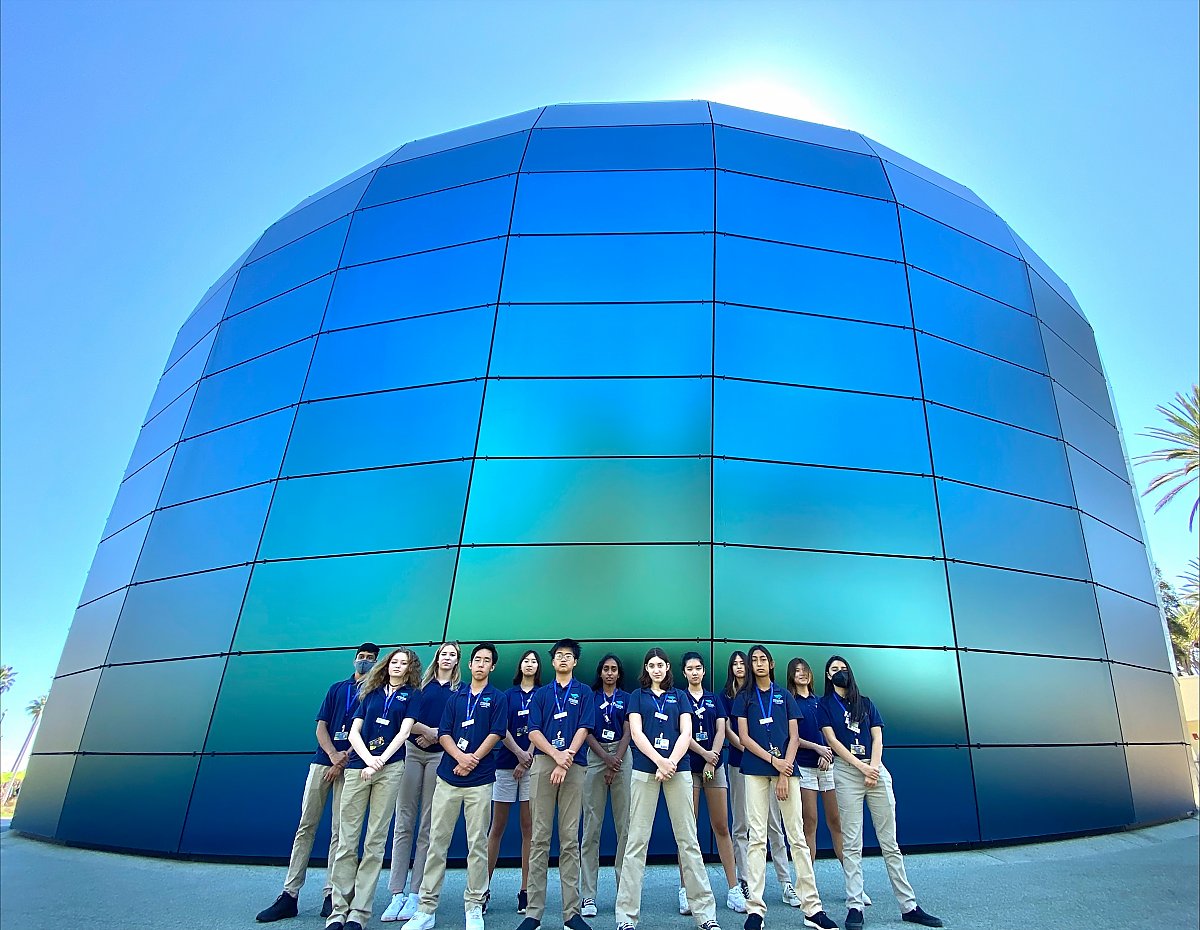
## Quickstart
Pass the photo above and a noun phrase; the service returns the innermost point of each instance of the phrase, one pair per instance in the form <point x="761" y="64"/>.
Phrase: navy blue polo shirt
<point x="733" y="754"/>
<point x="382" y="716"/>
<point x="755" y="706"/>
<point x="434" y="697"/>
<point x="854" y="735"/>
<point x="673" y="705"/>
<point x="809" y="729"/>
<point x="468" y="720"/>
<point x="705" y="711"/>
<point x="610" y="715"/>
<point x="337" y="710"/>
<point x="518" y="725"/>
<point x="558" y="712"/>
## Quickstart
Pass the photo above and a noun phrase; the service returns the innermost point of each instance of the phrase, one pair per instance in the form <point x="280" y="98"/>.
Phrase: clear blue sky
<point x="145" y="145"/>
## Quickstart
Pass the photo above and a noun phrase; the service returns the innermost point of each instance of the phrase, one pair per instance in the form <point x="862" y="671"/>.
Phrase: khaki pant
<point x="416" y="793"/>
<point x="312" y="805"/>
<point x="643" y="802"/>
<point x="852" y="790"/>
<point x="595" y="799"/>
<point x="354" y="880"/>
<point x="543" y="795"/>
<point x="760" y="789"/>
<point x="476" y="805"/>
<point x="741" y="830"/>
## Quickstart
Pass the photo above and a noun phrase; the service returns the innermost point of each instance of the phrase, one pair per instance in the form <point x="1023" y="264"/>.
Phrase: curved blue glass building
<point x="654" y="373"/>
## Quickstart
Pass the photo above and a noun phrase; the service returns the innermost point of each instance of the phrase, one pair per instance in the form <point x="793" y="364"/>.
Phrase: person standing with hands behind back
<point x="854" y="731"/>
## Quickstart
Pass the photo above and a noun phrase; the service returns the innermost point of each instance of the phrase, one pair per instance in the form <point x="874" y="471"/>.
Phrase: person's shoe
<point x="854" y="919"/>
<point x="392" y="911"/>
<point x="335" y="925"/>
<point x="474" y="918"/>
<point x="625" y="925"/>
<point x="753" y="922"/>
<point x="588" y="908"/>
<point x="353" y="925"/>
<point x="284" y="906"/>
<point x="529" y="923"/>
<point x="735" y="900"/>
<point x="576" y="923"/>
<point x="522" y="901"/>
<point x="918" y="916"/>
<point x="327" y="906"/>
<point x="866" y="899"/>
<point x="789" y="896"/>
<point x="684" y="907"/>
<point x="710" y="925"/>
<point x="745" y="889"/>
<point x="409" y="910"/>
<point x="820" y="920"/>
<point x="487" y="897"/>
<point x="420" y="921"/>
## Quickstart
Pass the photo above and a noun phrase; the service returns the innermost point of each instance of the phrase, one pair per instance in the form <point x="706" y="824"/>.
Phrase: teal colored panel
<point x="1134" y="631"/>
<point x="192" y="615"/>
<point x="394" y="428"/>
<point x="818" y="165"/>
<point x="209" y="533"/>
<point x="1012" y="532"/>
<point x="626" y="416"/>
<point x="234" y="457"/>
<point x="118" y="720"/>
<point x="1089" y="432"/>
<point x="765" y="209"/>
<point x="91" y="633"/>
<point x="1118" y="562"/>
<point x="340" y="602"/>
<point x="1149" y="705"/>
<point x="549" y="269"/>
<point x="479" y="162"/>
<point x="1018" y="612"/>
<point x="425" y="350"/>
<point x="934" y="201"/>
<point x="250" y="389"/>
<point x="984" y="452"/>
<point x="768" y="345"/>
<point x="640" y="147"/>
<point x="137" y="496"/>
<point x="160" y="433"/>
<point x="391" y="508"/>
<point x="786" y="595"/>
<point x="787" y="277"/>
<point x="61" y="726"/>
<point x="288" y="318"/>
<point x="284" y="688"/>
<point x="614" y="202"/>
<point x="1104" y="495"/>
<point x="759" y="504"/>
<point x="295" y="264"/>
<point x="930" y="780"/>
<point x="603" y="339"/>
<point x="43" y="791"/>
<point x="783" y="423"/>
<point x="588" y="592"/>
<point x="1161" y="779"/>
<point x="599" y="500"/>
<point x="1031" y="700"/>
<point x="114" y="561"/>
<point x="1077" y="376"/>
<point x="1065" y="320"/>
<point x="147" y="795"/>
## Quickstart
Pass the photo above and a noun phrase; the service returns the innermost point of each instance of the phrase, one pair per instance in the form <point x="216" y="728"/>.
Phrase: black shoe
<point x="753" y="922"/>
<point x="854" y="919"/>
<point x="336" y="925"/>
<point x="327" y="907"/>
<point x="353" y="925"/>
<point x="522" y="901"/>
<point x="745" y="889"/>
<point x="918" y="916"/>
<point x="284" y="906"/>
<point x="819" y="920"/>
<point x="487" y="896"/>
<point x="529" y="924"/>
<point x="576" y="923"/>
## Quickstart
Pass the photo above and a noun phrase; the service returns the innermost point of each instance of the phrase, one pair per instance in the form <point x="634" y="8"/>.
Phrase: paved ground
<point x="1125" y="880"/>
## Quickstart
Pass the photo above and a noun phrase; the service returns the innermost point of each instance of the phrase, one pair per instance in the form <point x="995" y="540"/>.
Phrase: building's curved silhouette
<point x="654" y="373"/>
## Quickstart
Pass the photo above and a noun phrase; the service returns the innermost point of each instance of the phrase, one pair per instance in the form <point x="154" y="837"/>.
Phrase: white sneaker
<point x="683" y="902"/>
<point x="735" y="900"/>
<point x="866" y="899"/>
<point x="423" y="921"/>
<point x="474" y="918"/>
<point x="790" y="898"/>
<point x="588" y="908"/>
<point x="409" y="911"/>
<point x="393" y="909"/>
<point x="710" y="925"/>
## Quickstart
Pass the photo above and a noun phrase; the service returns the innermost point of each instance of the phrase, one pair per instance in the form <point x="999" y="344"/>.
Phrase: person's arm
<point x="680" y="749"/>
<point x="360" y="747"/>
<point x="731" y="731"/>
<point x="845" y="754"/>
<point x="666" y="768"/>
<point x="395" y="745"/>
<point x="594" y="746"/>
<point x="623" y="746"/>
<point x="783" y="782"/>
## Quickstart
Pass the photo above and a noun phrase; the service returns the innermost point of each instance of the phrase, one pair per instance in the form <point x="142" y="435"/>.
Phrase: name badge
<point x="558" y="743"/>
<point x="604" y="706"/>
<point x="522" y="731"/>
<point x="341" y="735"/>
<point x="765" y="720"/>
<point x="523" y="713"/>
<point x="608" y="736"/>
<point x="560" y="715"/>
<point x="376" y="743"/>
<point x="468" y="722"/>
<point x="699" y="711"/>
<point x="660" y="715"/>
<point x="858" y="749"/>
<point x="776" y="753"/>
<point x="383" y="721"/>
<point x="702" y="737"/>
<point x="661" y="742"/>
<point x="463" y="744"/>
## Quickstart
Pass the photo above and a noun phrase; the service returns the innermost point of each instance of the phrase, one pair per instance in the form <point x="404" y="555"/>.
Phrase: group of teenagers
<point x="430" y="748"/>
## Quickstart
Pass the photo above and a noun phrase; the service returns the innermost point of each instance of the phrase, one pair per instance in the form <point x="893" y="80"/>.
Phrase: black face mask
<point x="841" y="678"/>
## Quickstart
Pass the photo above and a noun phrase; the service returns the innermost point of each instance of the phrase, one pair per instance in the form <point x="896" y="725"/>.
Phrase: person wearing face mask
<point x="853" y="729"/>
<point x="325" y="774"/>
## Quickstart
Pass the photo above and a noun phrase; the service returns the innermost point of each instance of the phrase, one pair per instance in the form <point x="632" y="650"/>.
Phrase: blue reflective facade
<point x="656" y="373"/>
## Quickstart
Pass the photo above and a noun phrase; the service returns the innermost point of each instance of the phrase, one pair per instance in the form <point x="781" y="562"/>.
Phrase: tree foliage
<point x="1181" y="450"/>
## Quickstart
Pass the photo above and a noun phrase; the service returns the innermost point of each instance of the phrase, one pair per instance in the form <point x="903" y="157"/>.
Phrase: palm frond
<point x="1181" y="438"/>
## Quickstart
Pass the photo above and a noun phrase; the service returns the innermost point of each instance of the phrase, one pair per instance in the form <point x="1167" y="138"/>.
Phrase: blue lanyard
<point x="696" y="703"/>
<point x="470" y="706"/>
<point x="527" y="698"/>
<point x="607" y="710"/>
<point x="351" y="695"/>
<point x="659" y="705"/>
<point x="387" y="701"/>
<point x="560" y="706"/>
<point x="845" y="709"/>
<point x="770" y="699"/>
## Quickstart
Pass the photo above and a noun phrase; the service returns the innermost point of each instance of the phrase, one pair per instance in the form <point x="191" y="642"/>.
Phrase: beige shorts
<point x="508" y="789"/>
<point x="814" y="779"/>
<point x="717" y="781"/>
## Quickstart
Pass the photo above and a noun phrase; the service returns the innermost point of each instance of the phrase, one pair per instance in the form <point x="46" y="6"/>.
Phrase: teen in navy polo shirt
<point x="387" y="708"/>
<point x="475" y="719"/>
<point x="607" y="775"/>
<point x="706" y="758"/>
<point x="560" y="717"/>
<point x="660" y="728"/>
<point x="767" y="724"/>
<point x="324" y="775"/>
<point x="854" y="730"/>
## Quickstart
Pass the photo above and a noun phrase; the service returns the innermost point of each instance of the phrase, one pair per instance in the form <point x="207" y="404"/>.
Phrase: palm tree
<point x="1181" y="452"/>
<point x="7" y="678"/>
<point x="34" y="708"/>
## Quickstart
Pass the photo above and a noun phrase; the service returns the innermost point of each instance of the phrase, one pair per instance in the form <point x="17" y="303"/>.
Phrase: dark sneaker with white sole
<point x="327" y="906"/>
<point x="284" y="906"/>
<point x="854" y="919"/>
<point x="918" y="916"/>
<point x="529" y="924"/>
<point x="577" y="923"/>
<point x="819" y="920"/>
<point x="753" y="922"/>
